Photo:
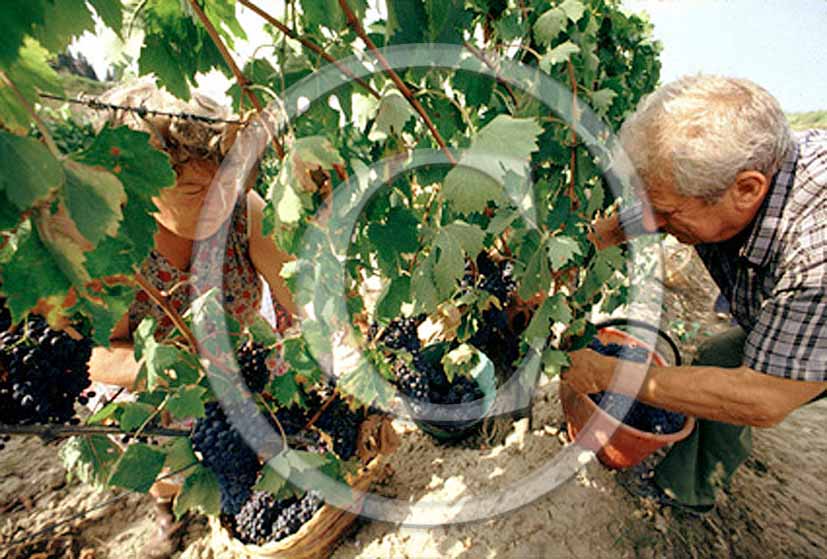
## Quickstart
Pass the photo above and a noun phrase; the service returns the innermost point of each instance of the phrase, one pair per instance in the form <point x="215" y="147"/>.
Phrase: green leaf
<point x="470" y="237"/>
<point x="450" y="264"/>
<point x="114" y="303"/>
<point x="407" y="22"/>
<point x="469" y="190"/>
<point x="63" y="20"/>
<point x="186" y="402"/>
<point x="397" y="292"/>
<point x="110" y="12"/>
<point x="511" y="26"/>
<point x="554" y="360"/>
<point x="285" y="389"/>
<point x="159" y="358"/>
<point x="397" y="236"/>
<point x="273" y="476"/>
<point x="330" y="14"/>
<point x="200" y="492"/>
<point x="558" y="54"/>
<point x="262" y="331"/>
<point x="179" y="453"/>
<point x="393" y="112"/>
<point x="31" y="275"/>
<point x="316" y="151"/>
<point x="549" y="25"/>
<point x="537" y="278"/>
<point x="560" y="250"/>
<point x="93" y="199"/>
<point x="143" y="171"/>
<point x="447" y="19"/>
<point x="574" y="9"/>
<point x="423" y="289"/>
<point x="30" y="172"/>
<point x="554" y="309"/>
<point x="104" y="413"/>
<point x="135" y="415"/>
<point x="137" y="468"/>
<point x="602" y="100"/>
<point x="477" y="88"/>
<point x="30" y="73"/>
<point x="460" y="361"/>
<point x="366" y="385"/>
<point x="18" y="21"/>
<point x="91" y="458"/>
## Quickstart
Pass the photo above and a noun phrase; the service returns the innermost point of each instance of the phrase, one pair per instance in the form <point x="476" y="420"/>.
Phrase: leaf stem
<point x="309" y="44"/>
<point x="353" y="21"/>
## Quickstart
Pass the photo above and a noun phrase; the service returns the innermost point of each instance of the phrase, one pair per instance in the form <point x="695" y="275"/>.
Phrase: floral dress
<point x="242" y="287"/>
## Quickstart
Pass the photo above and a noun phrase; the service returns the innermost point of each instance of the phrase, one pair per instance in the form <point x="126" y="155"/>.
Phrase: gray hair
<point x="700" y="131"/>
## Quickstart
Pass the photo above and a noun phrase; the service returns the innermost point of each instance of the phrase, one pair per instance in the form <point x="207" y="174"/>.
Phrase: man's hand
<point x="589" y="371"/>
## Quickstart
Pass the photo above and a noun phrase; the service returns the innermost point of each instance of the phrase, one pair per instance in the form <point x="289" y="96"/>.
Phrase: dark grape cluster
<point x="342" y="425"/>
<point x="401" y="334"/>
<point x="252" y="363"/>
<point x="264" y="519"/>
<point x="224" y="451"/>
<point x="424" y="381"/>
<point x="254" y="522"/>
<point x="639" y="415"/>
<point x="5" y="315"/>
<point x="42" y="374"/>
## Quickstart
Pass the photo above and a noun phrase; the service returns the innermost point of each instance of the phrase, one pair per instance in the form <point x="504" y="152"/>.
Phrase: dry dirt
<point x="775" y="507"/>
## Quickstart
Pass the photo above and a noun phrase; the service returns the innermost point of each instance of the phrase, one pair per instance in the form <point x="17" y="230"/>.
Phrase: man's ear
<point x="749" y="190"/>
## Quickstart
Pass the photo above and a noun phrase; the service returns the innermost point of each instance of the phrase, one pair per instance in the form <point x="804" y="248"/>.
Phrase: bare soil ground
<point x="775" y="507"/>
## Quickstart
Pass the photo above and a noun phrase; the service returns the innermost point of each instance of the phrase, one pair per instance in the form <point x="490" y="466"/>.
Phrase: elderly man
<point x="722" y="171"/>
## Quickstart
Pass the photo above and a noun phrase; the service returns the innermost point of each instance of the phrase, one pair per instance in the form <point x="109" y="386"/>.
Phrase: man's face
<point x="691" y="220"/>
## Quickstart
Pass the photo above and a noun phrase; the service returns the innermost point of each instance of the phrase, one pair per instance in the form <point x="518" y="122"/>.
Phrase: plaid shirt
<point x="774" y="273"/>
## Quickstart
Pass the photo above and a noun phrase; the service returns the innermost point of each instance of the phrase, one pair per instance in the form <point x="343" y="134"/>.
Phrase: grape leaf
<point x="554" y="309"/>
<point x="134" y="415"/>
<point x="62" y="21"/>
<point x="504" y="144"/>
<point x="398" y="235"/>
<point x="91" y="458"/>
<point x="366" y="385"/>
<point x="553" y="361"/>
<point x="187" y="402"/>
<point x="574" y="9"/>
<point x="330" y="14"/>
<point x="549" y="25"/>
<point x="423" y="289"/>
<point x="200" y="492"/>
<point x="449" y="266"/>
<point x="602" y="100"/>
<point x="447" y="19"/>
<point x="110" y="305"/>
<point x="284" y="389"/>
<point x="110" y="12"/>
<point x="137" y="469"/>
<point x="143" y="171"/>
<point x="93" y="199"/>
<point x="560" y="250"/>
<point x="397" y="292"/>
<point x="31" y="275"/>
<point x="18" y="21"/>
<point x="179" y="453"/>
<point x="30" y="172"/>
<point x="558" y="54"/>
<point x="470" y="237"/>
<point x="393" y="112"/>
<point x="30" y="73"/>
<point x="537" y="278"/>
<point x="407" y="22"/>
<point x="273" y="476"/>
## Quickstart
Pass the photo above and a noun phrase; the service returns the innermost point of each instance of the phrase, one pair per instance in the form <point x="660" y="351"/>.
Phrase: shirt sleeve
<point x="789" y="339"/>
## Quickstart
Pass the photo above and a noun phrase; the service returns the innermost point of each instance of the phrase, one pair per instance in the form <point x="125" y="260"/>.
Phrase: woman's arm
<point x="266" y="256"/>
<point x="116" y="364"/>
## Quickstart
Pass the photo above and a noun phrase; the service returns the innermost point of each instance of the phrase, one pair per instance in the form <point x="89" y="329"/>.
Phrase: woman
<point x="196" y="151"/>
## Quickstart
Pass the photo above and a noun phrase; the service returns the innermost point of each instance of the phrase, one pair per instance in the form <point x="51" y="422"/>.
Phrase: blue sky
<point x="779" y="44"/>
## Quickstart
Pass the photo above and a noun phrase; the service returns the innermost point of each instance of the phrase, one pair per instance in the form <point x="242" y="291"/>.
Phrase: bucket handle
<point x="646" y="326"/>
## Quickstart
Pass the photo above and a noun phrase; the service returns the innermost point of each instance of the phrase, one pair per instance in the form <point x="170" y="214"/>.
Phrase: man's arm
<point x="740" y="396"/>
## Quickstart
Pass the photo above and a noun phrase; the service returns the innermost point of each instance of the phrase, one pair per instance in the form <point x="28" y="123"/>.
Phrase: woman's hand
<point x="589" y="371"/>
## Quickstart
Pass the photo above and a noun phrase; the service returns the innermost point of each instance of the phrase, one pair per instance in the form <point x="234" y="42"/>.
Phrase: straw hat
<point x="196" y="149"/>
